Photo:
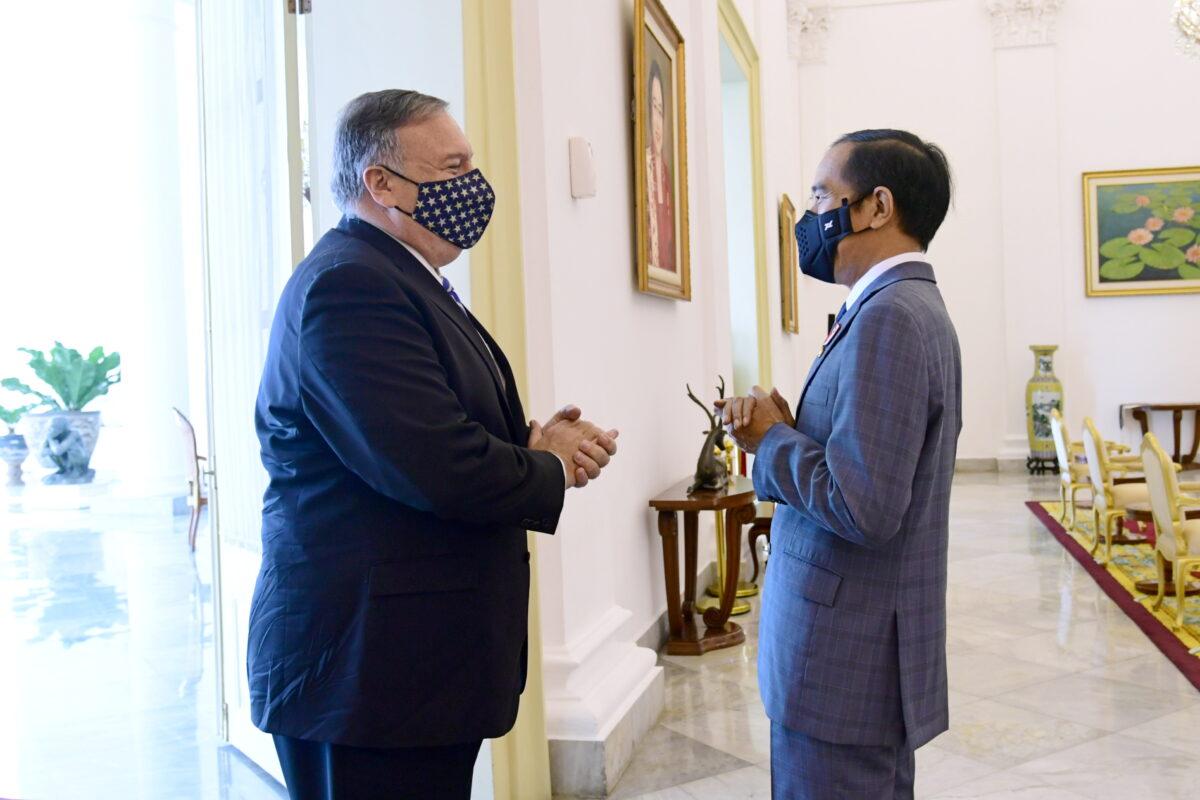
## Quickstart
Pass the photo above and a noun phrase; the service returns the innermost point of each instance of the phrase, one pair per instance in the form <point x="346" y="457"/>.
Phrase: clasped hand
<point x="747" y="419"/>
<point x="584" y="448"/>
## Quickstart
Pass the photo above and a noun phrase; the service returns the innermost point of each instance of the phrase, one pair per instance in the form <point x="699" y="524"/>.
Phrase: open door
<point x="251" y="242"/>
<point x="744" y="214"/>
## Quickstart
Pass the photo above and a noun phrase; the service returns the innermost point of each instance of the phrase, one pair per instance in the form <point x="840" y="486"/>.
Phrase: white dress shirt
<point x="870" y="276"/>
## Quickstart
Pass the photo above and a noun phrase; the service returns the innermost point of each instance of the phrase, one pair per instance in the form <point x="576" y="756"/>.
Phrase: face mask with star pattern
<point x="456" y="209"/>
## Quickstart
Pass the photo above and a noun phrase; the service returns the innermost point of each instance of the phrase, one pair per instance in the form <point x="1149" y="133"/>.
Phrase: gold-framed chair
<point x="1072" y="474"/>
<point x="1177" y="539"/>
<point x="196" y="497"/>
<point x="1072" y="466"/>
<point x="1117" y="483"/>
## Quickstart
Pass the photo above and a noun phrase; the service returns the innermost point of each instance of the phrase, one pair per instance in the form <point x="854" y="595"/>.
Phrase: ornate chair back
<point x="1093" y="447"/>
<point x="1163" y="484"/>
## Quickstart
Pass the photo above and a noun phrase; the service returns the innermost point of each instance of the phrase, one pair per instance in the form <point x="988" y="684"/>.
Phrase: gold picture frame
<point x="789" y="265"/>
<point x="660" y="154"/>
<point x="1141" y="231"/>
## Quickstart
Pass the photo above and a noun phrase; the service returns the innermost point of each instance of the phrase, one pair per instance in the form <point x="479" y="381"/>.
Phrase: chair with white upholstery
<point x="1116" y="485"/>
<point x="1072" y="474"/>
<point x="1177" y="537"/>
<point x="1072" y="466"/>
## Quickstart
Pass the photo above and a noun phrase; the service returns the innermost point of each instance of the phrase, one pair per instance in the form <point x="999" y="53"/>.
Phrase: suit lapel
<point x="914" y="270"/>
<point x="436" y="293"/>
<point x="516" y="417"/>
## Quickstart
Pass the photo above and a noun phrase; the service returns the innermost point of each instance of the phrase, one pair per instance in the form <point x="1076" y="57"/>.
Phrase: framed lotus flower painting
<point x="1142" y="231"/>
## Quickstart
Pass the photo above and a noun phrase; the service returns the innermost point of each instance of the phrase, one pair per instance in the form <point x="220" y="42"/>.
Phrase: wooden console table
<point x="1141" y="412"/>
<point x="737" y="501"/>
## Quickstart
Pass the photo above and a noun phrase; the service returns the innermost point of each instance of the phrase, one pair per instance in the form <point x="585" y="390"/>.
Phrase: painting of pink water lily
<point x="1142" y="231"/>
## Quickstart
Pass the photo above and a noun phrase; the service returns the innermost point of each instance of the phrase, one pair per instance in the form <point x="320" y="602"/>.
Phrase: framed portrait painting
<point x="660" y="154"/>
<point x="789" y="265"/>
<point x="1142" y="231"/>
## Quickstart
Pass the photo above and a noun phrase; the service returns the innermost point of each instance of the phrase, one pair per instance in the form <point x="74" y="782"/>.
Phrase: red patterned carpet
<point x="1132" y="563"/>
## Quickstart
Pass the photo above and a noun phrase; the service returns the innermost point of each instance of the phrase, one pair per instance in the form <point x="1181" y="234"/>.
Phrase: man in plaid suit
<point x="852" y="652"/>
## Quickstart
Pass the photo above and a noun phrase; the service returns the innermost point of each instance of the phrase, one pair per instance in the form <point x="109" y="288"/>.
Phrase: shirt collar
<point x="437" y="276"/>
<point x="870" y="276"/>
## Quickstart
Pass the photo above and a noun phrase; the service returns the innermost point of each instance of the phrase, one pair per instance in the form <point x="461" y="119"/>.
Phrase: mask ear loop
<point x="403" y="178"/>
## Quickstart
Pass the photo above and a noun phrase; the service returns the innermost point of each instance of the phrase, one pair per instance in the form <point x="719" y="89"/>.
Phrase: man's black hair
<point x="916" y="171"/>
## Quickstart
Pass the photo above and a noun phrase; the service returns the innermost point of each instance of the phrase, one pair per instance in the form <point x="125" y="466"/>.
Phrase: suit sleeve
<point x="375" y="390"/>
<point x="860" y="483"/>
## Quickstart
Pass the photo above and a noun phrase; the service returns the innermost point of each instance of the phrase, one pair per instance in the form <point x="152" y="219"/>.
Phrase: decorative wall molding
<point x="808" y="30"/>
<point x="1022" y="23"/>
<point x="1186" y="16"/>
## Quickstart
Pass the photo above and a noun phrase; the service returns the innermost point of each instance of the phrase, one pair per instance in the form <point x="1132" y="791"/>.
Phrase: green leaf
<point x="1124" y="207"/>
<point x="76" y="380"/>
<point x="1163" y="256"/>
<point x="1121" y="269"/>
<point x="1179" y="237"/>
<point x="1118" y="248"/>
<point x="14" y="385"/>
<point x="1190" y="272"/>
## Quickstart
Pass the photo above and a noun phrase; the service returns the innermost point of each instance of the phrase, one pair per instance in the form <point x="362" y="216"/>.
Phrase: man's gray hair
<point x="366" y="135"/>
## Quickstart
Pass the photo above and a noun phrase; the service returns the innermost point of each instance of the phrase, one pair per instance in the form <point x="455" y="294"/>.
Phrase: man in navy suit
<point x="388" y="626"/>
<point x="852" y="643"/>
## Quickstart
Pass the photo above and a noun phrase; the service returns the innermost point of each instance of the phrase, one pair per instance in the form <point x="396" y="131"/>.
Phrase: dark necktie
<point x="458" y="302"/>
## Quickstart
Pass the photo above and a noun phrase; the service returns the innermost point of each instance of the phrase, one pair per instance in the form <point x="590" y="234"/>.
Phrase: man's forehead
<point x="830" y="169"/>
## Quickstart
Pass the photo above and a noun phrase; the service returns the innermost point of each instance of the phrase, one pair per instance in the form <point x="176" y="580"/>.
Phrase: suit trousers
<point x="324" y="771"/>
<point x="804" y="768"/>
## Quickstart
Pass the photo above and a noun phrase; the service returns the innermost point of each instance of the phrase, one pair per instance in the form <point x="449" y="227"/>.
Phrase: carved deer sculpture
<point x="710" y="467"/>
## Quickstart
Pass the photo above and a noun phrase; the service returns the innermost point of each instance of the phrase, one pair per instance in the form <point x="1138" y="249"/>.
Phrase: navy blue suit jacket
<point x="391" y="605"/>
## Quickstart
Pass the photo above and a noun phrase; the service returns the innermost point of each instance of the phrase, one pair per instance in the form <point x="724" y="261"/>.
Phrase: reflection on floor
<point x="106" y="672"/>
<point x="1054" y="692"/>
<point x="106" y="680"/>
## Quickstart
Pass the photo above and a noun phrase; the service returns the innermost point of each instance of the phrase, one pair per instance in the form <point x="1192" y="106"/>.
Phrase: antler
<point x="712" y="422"/>
<point x="721" y="388"/>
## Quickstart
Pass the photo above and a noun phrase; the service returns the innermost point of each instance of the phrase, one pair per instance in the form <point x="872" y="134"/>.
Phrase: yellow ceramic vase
<point x="1043" y="393"/>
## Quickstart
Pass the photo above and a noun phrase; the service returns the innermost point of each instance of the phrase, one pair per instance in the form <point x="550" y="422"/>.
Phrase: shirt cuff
<point x="566" y="475"/>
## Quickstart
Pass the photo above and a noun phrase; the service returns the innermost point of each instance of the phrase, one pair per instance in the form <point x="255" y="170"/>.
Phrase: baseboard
<point x="974" y="465"/>
<point x="1012" y="464"/>
<point x="587" y="769"/>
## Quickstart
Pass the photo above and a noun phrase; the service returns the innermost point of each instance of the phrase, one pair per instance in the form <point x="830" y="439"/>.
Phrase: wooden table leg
<point x="691" y="524"/>
<point x="718" y="617"/>
<point x="668" y="529"/>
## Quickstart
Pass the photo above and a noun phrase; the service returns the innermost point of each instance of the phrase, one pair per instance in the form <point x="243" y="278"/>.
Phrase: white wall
<point x="1121" y="349"/>
<point x="369" y="45"/>
<point x="1019" y="126"/>
<point x="625" y="356"/>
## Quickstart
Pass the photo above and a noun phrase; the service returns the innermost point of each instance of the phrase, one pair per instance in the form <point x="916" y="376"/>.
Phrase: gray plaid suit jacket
<point x="852" y="645"/>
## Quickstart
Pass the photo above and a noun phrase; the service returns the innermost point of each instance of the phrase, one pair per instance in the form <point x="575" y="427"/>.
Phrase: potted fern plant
<point x="63" y="435"/>
<point x="13" y="449"/>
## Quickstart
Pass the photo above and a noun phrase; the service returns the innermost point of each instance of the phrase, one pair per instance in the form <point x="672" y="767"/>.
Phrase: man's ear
<point x="884" y="207"/>
<point x="384" y="188"/>
<point x="381" y="185"/>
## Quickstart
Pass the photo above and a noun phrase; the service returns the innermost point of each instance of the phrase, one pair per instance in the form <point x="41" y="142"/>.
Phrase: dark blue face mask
<point x="456" y="209"/>
<point x="817" y="238"/>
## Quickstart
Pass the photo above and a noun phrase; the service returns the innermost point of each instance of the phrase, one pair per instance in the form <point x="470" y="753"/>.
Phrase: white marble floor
<point x="1054" y="692"/>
